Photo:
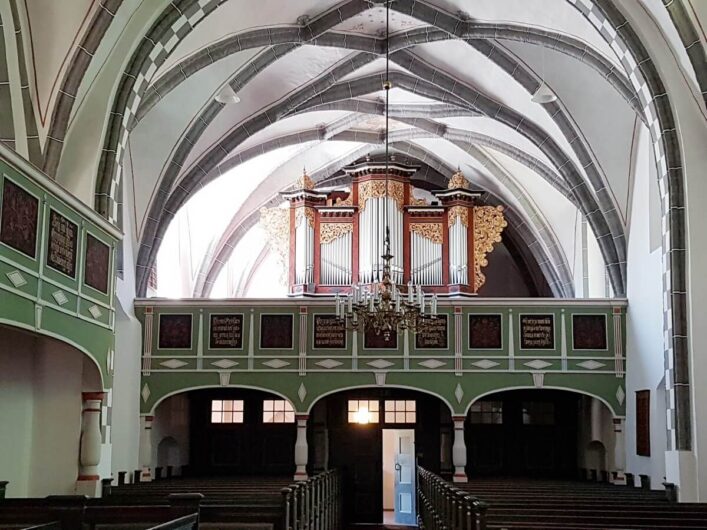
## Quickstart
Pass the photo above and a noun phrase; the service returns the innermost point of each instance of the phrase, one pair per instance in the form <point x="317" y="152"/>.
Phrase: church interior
<point x="320" y="264"/>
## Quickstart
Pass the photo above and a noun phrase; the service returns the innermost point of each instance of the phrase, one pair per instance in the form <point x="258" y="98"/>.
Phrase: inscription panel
<point x="485" y="332"/>
<point x="62" y="244"/>
<point x="371" y="341"/>
<point x="589" y="332"/>
<point x="97" y="264"/>
<point x="174" y="332"/>
<point x="537" y="332"/>
<point x="226" y="332"/>
<point x="435" y="336"/>
<point x="329" y="332"/>
<point x="18" y="224"/>
<point x="276" y="332"/>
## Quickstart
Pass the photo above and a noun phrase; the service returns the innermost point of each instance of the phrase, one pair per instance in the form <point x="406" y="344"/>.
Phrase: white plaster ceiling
<point x="53" y="29"/>
<point x="604" y="119"/>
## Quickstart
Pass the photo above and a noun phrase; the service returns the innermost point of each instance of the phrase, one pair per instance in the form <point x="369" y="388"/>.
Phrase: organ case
<point x="336" y="238"/>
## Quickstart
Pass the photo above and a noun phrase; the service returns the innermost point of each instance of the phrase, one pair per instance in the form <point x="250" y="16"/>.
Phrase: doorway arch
<point x="338" y="438"/>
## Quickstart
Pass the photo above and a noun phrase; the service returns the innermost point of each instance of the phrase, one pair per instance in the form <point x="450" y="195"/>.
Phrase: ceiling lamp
<point x="227" y="96"/>
<point x="543" y="94"/>
<point x="382" y="307"/>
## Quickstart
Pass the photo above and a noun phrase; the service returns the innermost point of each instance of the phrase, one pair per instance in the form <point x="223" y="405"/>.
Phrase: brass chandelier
<point x="381" y="307"/>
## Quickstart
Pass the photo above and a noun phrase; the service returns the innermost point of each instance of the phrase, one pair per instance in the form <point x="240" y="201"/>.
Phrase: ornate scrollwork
<point x="330" y="231"/>
<point x="418" y="202"/>
<point x="348" y="201"/>
<point x="459" y="212"/>
<point x="431" y="231"/>
<point x="489" y="222"/>
<point x="458" y="180"/>
<point x="304" y="212"/>
<point x="305" y="182"/>
<point x="372" y="189"/>
<point x="276" y="223"/>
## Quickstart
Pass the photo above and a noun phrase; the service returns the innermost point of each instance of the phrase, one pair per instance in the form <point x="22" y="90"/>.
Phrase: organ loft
<point x="335" y="238"/>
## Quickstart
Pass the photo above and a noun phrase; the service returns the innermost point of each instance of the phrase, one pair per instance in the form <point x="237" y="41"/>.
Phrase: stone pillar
<point x="88" y="482"/>
<point x="459" y="450"/>
<point x="618" y="473"/>
<point x="301" y="448"/>
<point x="146" y="448"/>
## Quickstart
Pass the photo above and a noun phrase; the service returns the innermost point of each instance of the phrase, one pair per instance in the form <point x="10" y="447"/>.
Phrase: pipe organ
<point x="336" y="238"/>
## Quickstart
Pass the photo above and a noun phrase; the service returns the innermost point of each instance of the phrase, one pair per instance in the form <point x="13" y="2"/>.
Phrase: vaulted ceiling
<point x="308" y="74"/>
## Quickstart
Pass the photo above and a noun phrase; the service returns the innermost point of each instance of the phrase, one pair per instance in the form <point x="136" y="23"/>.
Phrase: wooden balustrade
<point x="442" y="506"/>
<point x="313" y="504"/>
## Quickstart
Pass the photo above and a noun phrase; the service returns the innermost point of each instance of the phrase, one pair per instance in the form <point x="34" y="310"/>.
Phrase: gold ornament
<point x="304" y="212"/>
<point x="331" y="231"/>
<point x="488" y="225"/>
<point x="305" y="182"/>
<point x="461" y="212"/>
<point x="276" y="223"/>
<point x="431" y="231"/>
<point x="348" y="201"/>
<point x="458" y="180"/>
<point x="373" y="189"/>
<point x="418" y="202"/>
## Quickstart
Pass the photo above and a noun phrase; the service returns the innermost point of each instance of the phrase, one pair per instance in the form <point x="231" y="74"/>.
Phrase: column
<point x="301" y="448"/>
<point x="146" y="448"/>
<point x="88" y="481"/>
<point x="459" y="450"/>
<point x="619" y="476"/>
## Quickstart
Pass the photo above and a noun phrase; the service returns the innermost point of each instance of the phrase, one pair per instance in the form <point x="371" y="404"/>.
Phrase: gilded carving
<point x="431" y="231"/>
<point x="459" y="212"/>
<point x="372" y="189"/>
<point x="276" y="223"/>
<point x="418" y="202"/>
<point x="348" y="201"/>
<point x="305" y="182"/>
<point x="489" y="222"/>
<point x="458" y="180"/>
<point x="331" y="231"/>
<point x="304" y="212"/>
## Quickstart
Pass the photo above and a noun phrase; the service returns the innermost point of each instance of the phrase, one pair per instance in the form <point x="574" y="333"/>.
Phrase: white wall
<point x="16" y="406"/>
<point x="171" y="421"/>
<point x="644" y="323"/>
<point x="125" y="428"/>
<point x="41" y="381"/>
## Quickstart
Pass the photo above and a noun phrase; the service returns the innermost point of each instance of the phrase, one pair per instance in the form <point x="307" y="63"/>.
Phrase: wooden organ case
<point x="336" y="238"/>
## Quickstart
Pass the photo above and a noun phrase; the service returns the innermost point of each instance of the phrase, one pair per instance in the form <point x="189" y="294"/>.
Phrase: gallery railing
<point x="442" y="506"/>
<point x="313" y="504"/>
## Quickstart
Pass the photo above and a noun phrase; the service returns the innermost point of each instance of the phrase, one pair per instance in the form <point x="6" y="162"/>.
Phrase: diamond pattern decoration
<point x="224" y="363"/>
<point x="432" y="363"/>
<point x="16" y="278"/>
<point x="95" y="311"/>
<point x="145" y="392"/>
<point x="60" y="297"/>
<point x="458" y="393"/>
<point x="302" y="392"/>
<point x="276" y="363"/>
<point x="591" y="365"/>
<point x="173" y="363"/>
<point x="485" y="364"/>
<point x="620" y="395"/>
<point x="380" y="363"/>
<point x="329" y="363"/>
<point x="537" y="364"/>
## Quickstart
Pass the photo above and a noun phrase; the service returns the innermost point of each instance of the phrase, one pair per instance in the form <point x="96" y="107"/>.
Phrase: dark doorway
<point x="240" y="432"/>
<point x="523" y="433"/>
<point x="356" y="449"/>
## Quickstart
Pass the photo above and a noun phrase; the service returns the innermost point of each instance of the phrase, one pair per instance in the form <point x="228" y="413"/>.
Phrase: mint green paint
<point x="34" y="305"/>
<point x="322" y="375"/>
